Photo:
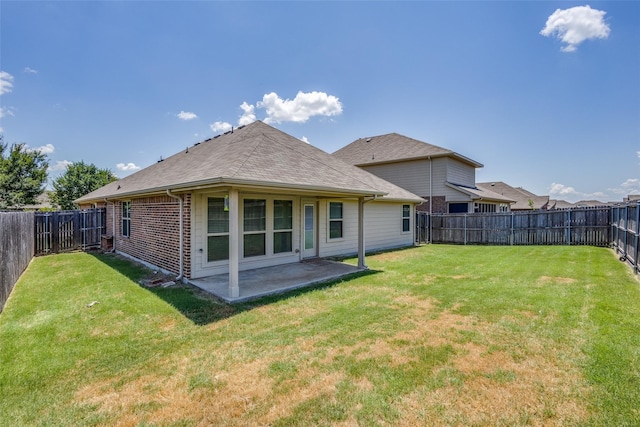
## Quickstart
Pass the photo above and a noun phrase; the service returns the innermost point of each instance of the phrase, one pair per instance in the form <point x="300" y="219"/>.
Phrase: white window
<point x="282" y="226"/>
<point x="484" y="207"/>
<point x="217" y="230"/>
<point x="335" y="220"/>
<point x="406" y="218"/>
<point x="255" y="227"/>
<point x="126" y="219"/>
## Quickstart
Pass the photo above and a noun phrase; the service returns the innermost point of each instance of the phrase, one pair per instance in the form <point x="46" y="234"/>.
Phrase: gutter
<point x="181" y="268"/>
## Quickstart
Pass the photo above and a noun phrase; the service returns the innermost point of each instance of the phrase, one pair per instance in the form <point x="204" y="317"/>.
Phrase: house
<point x="523" y="200"/>
<point x="249" y="198"/>
<point x="443" y="178"/>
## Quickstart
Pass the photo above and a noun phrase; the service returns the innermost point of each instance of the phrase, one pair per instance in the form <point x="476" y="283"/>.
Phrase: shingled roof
<point x="394" y="147"/>
<point x="521" y="196"/>
<point x="256" y="155"/>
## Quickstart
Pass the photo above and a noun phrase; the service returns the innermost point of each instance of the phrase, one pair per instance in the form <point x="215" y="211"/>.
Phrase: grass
<point x="435" y="335"/>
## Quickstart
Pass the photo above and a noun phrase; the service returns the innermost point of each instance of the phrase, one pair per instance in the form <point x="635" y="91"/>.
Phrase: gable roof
<point x="480" y="194"/>
<point x="517" y="194"/>
<point x="394" y="147"/>
<point x="253" y="155"/>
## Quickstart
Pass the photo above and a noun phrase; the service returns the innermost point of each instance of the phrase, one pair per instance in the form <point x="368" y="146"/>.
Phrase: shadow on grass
<point x="199" y="306"/>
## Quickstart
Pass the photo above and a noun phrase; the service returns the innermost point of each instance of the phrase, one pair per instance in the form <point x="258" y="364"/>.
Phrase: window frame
<point x="406" y="219"/>
<point x="126" y="219"/>
<point x="331" y="220"/>
<point x="277" y="231"/>
<point x="214" y="233"/>
<point x="254" y="232"/>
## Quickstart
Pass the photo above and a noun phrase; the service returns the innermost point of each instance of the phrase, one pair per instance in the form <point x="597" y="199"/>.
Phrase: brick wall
<point x="439" y="205"/>
<point x="155" y="223"/>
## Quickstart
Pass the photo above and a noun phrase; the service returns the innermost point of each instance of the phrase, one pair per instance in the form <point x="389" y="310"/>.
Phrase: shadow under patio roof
<point x="275" y="280"/>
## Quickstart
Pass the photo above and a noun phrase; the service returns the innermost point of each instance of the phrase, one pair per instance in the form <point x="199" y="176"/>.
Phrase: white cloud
<point x="6" y="111"/>
<point x="632" y="184"/>
<point x="30" y="70"/>
<point x="248" y="114"/>
<point x="299" y="109"/>
<point x="638" y="153"/>
<point x="561" y="190"/>
<point x="6" y="82"/>
<point x="45" y="149"/>
<point x="575" y="25"/>
<point x="127" y="167"/>
<point x="304" y="138"/>
<point x="60" y="165"/>
<point x="570" y="194"/>
<point x="187" y="115"/>
<point x="220" y="127"/>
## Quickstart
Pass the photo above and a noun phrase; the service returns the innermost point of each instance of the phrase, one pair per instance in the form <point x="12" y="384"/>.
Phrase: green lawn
<point x="435" y="335"/>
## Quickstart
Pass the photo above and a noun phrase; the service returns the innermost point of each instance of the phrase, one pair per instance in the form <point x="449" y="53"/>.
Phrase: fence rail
<point x="65" y="231"/>
<point x="582" y="226"/>
<point x="16" y="249"/>
<point x="625" y="234"/>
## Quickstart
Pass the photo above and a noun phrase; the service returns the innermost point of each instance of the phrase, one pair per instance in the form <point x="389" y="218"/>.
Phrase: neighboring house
<point x="524" y="200"/>
<point x="631" y="198"/>
<point x="43" y="202"/>
<point x="560" y="204"/>
<point x="590" y="204"/>
<point x="443" y="178"/>
<point x="252" y="197"/>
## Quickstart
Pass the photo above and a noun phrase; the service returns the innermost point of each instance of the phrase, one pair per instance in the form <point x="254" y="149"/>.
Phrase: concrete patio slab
<point x="275" y="280"/>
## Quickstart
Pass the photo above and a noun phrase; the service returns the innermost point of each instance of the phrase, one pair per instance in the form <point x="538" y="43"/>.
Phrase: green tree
<point x="23" y="175"/>
<point x="79" y="179"/>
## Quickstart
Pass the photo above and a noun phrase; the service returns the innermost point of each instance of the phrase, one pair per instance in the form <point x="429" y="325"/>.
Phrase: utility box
<point x="106" y="243"/>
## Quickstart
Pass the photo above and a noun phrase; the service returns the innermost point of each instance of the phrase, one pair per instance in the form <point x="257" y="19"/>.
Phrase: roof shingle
<point x="393" y="147"/>
<point x="256" y="154"/>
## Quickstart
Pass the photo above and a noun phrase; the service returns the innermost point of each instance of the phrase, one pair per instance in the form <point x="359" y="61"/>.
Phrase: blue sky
<point x="545" y="94"/>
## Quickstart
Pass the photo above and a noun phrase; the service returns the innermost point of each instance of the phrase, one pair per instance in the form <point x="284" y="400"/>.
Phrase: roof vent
<point x="368" y="139"/>
<point x="217" y="136"/>
<point x="197" y="143"/>
<point x="161" y="159"/>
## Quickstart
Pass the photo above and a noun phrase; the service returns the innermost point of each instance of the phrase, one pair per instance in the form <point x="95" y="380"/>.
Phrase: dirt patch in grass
<point x="492" y="377"/>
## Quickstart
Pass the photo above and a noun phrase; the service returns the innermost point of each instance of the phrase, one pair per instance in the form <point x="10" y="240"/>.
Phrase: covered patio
<point x="273" y="280"/>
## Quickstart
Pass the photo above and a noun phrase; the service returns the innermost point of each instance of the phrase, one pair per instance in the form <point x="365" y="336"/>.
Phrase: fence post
<point x="465" y="228"/>
<point x="512" y="236"/>
<point x="568" y="227"/>
<point x="637" y="232"/>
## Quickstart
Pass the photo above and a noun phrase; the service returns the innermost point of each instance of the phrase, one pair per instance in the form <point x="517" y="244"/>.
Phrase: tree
<point x="23" y="174"/>
<point x="79" y="179"/>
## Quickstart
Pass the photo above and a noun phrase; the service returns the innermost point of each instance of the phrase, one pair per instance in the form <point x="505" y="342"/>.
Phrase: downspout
<point x="113" y="223"/>
<point x="181" y="268"/>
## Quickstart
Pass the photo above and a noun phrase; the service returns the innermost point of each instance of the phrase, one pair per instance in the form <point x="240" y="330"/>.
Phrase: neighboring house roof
<point x="394" y="147"/>
<point x="43" y="201"/>
<point x="589" y="203"/>
<point x="480" y="194"/>
<point x="560" y="204"/>
<point x="255" y="155"/>
<point x="521" y="196"/>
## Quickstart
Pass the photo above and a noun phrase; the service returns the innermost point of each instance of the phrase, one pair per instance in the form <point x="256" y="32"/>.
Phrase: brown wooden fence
<point x="578" y="226"/>
<point x="65" y="231"/>
<point x="625" y="220"/>
<point x="16" y="249"/>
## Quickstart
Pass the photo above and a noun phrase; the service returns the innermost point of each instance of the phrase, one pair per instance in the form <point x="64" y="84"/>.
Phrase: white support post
<point x="234" y="246"/>
<point x="361" y="250"/>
